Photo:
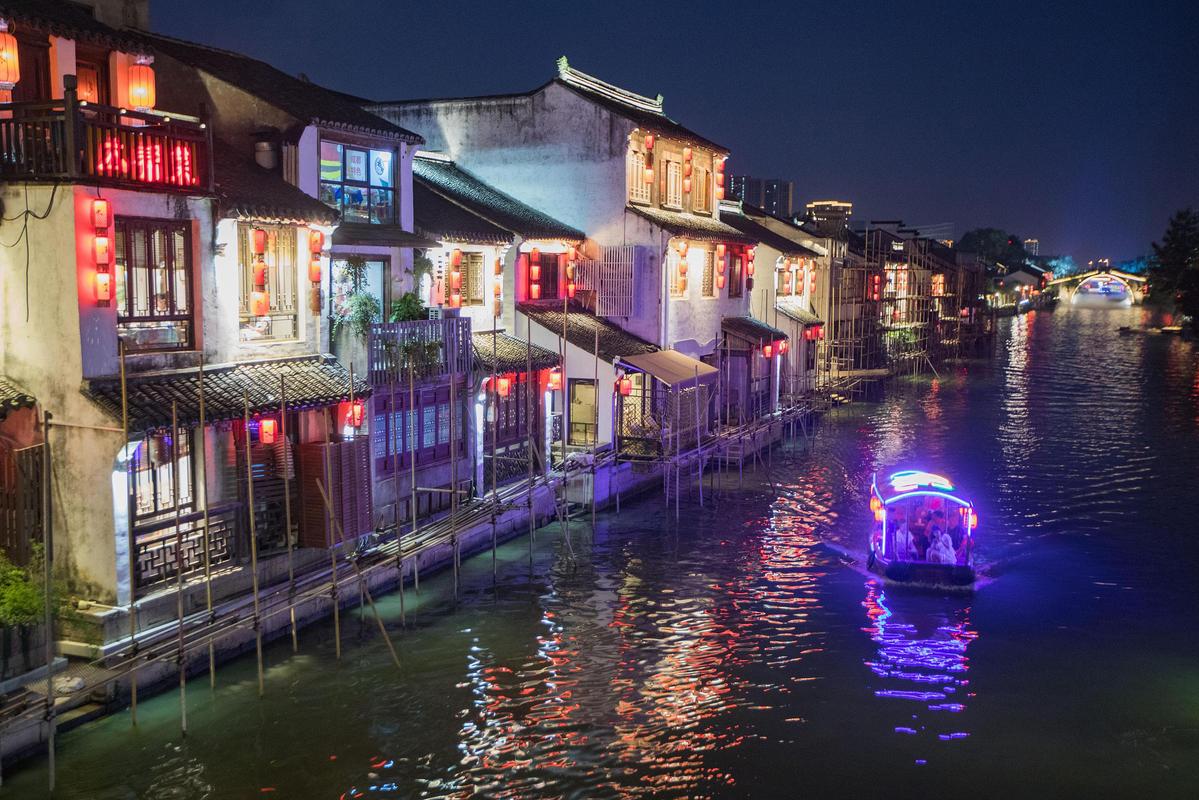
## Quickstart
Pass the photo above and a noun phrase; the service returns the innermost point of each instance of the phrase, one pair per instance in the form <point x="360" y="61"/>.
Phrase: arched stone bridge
<point x="1099" y="287"/>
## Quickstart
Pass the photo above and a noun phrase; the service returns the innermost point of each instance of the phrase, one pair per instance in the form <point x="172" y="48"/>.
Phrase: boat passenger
<point x="941" y="551"/>
<point x="902" y="536"/>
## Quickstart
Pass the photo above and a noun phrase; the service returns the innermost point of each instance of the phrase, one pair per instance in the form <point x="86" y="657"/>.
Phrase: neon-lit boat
<point x="923" y="531"/>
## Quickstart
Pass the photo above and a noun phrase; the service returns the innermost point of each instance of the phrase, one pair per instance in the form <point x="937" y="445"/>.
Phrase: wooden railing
<point x="157" y="557"/>
<point x="72" y="140"/>
<point x="434" y="348"/>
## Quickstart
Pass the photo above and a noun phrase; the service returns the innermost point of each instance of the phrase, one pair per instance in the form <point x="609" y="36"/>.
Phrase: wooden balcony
<point x="68" y="140"/>
<point x="433" y="349"/>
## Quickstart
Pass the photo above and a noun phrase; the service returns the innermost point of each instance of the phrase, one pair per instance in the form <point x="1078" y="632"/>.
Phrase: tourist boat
<point x="923" y="531"/>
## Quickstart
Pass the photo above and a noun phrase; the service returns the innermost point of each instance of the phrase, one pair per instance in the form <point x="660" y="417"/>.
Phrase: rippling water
<point x="731" y="654"/>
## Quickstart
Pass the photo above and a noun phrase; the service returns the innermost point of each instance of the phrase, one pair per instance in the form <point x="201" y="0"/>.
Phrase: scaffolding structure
<point x="850" y="358"/>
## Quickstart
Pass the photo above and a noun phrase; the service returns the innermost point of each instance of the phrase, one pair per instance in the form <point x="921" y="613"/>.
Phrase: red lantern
<point x="10" y="62"/>
<point x="142" y="95"/>
<point x="260" y="303"/>
<point x="266" y="431"/>
<point x="720" y="281"/>
<point x="314" y="270"/>
<point x="260" y="274"/>
<point x="649" y="174"/>
<point x="316" y="241"/>
<point x="355" y="415"/>
<point x="626" y="387"/>
<point x="819" y="331"/>
<point x="720" y="250"/>
<point x="555" y="379"/>
<point x="100" y="213"/>
<point x="258" y="241"/>
<point x="719" y="192"/>
<point x="649" y="141"/>
<point x="497" y="289"/>
<point x="749" y="266"/>
<point x="499" y="267"/>
<point x="570" y="289"/>
<point x="783" y="347"/>
<point x="682" y="285"/>
<point x="767" y="351"/>
<point x="455" y="279"/>
<point x="103" y="287"/>
<point x="103" y="252"/>
<point x="534" y="255"/>
<point x="682" y="266"/>
<point x="456" y="299"/>
<point x="534" y="272"/>
<point x="686" y="153"/>
<point x="456" y="258"/>
<point x="535" y="291"/>
<point x="682" y="247"/>
<point x="503" y="386"/>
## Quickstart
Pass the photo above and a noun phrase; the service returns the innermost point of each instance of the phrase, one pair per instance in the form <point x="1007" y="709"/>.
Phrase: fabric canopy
<point x="673" y="368"/>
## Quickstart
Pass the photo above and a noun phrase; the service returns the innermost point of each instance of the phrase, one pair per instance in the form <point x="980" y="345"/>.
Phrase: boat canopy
<point x="911" y="483"/>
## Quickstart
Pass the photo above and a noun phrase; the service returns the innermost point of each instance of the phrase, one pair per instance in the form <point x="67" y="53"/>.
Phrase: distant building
<point x="1032" y="247"/>
<point x="773" y="195"/>
<point x="823" y="211"/>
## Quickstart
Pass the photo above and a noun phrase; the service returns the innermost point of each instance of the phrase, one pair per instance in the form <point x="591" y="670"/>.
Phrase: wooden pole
<point x="413" y="430"/>
<point x="395" y="477"/>
<point x="495" y="432"/>
<point x="178" y="564"/>
<point x="565" y="400"/>
<point x="253" y="541"/>
<point x="453" y="357"/>
<point x="291" y="571"/>
<point x="330" y="518"/>
<point x="595" y="443"/>
<point x="132" y="542"/>
<point x="532" y="440"/>
<point x="207" y="531"/>
<point x="47" y="592"/>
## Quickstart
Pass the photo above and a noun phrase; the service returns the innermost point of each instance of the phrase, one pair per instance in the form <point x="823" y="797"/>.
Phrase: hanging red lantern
<point x="534" y="272"/>
<point x="266" y="431"/>
<point x="316" y="241"/>
<point x="534" y="255"/>
<point x="783" y="347"/>
<point x="102" y="250"/>
<point x="260" y="303"/>
<point x="10" y="61"/>
<point x="749" y="267"/>
<point x="100" y="213"/>
<point x="570" y="289"/>
<point x="497" y="288"/>
<point x="649" y="141"/>
<point x="499" y="268"/>
<point x="455" y="279"/>
<point x="719" y="192"/>
<point x="535" y="291"/>
<point x="720" y="250"/>
<point x="555" y="379"/>
<point x="258" y="241"/>
<point x="686" y="153"/>
<point x="682" y="284"/>
<point x="503" y="386"/>
<point x="649" y="174"/>
<point x="356" y="413"/>
<point x="456" y="258"/>
<point x="720" y="281"/>
<point x="682" y="266"/>
<point x="142" y="95"/>
<point x="767" y="351"/>
<point x="626" y="387"/>
<point x="314" y="270"/>
<point x="456" y="299"/>
<point x="819" y="331"/>
<point x="103" y="287"/>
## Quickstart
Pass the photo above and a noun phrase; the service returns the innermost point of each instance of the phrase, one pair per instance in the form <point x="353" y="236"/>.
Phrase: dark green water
<point x="731" y="655"/>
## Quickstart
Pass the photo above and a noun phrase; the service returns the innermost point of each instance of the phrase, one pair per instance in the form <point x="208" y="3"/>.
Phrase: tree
<point x="995" y="247"/>
<point x="1174" y="267"/>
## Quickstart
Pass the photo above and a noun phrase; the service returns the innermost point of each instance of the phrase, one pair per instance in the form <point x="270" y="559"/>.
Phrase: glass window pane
<point x="330" y="195"/>
<point x="381" y="169"/>
<point x="330" y="161"/>
<point x="355" y="205"/>
<point x="382" y="211"/>
<point x="119" y="267"/>
<point x="356" y="165"/>
<point x="179" y="261"/>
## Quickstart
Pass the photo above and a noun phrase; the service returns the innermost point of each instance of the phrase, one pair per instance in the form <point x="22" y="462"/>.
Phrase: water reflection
<point x="921" y="664"/>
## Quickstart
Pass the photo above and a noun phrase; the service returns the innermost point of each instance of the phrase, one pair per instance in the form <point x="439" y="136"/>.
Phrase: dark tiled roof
<point x="705" y="229"/>
<point x="458" y="185"/>
<point x="306" y="101"/>
<point x="13" y="397"/>
<point x="388" y="235"/>
<point x="311" y="381"/>
<point x="247" y="191"/>
<point x="764" y="235"/>
<point x="751" y="330"/>
<point x="581" y="327"/>
<point x="643" y="111"/>
<point x="510" y="354"/>
<point x="440" y="218"/>
<point x="797" y="313"/>
<point x="68" y="20"/>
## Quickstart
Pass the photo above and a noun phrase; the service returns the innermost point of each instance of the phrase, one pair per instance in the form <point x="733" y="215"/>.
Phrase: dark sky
<point x="1076" y="123"/>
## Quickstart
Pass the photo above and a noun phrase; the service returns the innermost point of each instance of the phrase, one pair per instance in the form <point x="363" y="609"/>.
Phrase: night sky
<point x="1075" y="123"/>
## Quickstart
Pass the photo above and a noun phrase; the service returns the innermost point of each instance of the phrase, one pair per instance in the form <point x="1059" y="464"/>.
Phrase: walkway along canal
<point x="693" y="658"/>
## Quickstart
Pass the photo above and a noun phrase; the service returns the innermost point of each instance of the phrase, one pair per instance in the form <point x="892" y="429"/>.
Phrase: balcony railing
<point x="434" y="348"/>
<point x="71" y="140"/>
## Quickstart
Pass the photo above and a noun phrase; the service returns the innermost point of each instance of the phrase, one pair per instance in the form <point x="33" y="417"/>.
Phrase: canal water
<point x="732" y="654"/>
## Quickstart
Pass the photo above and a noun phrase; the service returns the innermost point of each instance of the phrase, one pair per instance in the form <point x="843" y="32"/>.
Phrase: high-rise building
<point x="837" y="211"/>
<point x="772" y="195"/>
<point x="1032" y="247"/>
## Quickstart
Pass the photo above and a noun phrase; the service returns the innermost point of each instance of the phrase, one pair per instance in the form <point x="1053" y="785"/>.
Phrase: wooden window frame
<point x="123" y="249"/>
<point x="640" y="192"/>
<point x="344" y="182"/>
<point x="282" y="260"/>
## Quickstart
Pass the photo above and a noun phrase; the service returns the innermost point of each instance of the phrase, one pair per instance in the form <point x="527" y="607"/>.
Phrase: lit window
<point x="153" y="275"/>
<point x="280" y="324"/>
<point x="674" y="184"/>
<point x="701" y="190"/>
<point x="358" y="182"/>
<point x="705" y="266"/>
<point x="639" y="188"/>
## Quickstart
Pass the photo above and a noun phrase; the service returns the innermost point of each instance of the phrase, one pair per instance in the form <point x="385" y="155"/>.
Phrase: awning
<point x="798" y="313"/>
<point x="754" y="331"/>
<point x="673" y="368"/>
<point x="500" y="352"/>
<point x="310" y="381"/>
<point x="13" y="398"/>
<point x="387" y="235"/>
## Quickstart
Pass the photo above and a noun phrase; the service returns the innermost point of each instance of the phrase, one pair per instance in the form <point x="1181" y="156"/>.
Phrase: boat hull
<point x="918" y="573"/>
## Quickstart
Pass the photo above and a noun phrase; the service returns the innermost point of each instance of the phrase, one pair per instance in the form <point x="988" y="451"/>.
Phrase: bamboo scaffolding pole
<point x="253" y="542"/>
<point x="207" y="529"/>
<point x="412" y="466"/>
<point x="495" y="432"/>
<point x="341" y="535"/>
<point x="291" y="570"/>
<point x="178" y="563"/>
<point x="47" y="594"/>
<point x="333" y="597"/>
<point x="132" y="536"/>
<point x="454" y="553"/>
<point x="595" y="441"/>
<point x="565" y="514"/>
<point x="532" y="440"/>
